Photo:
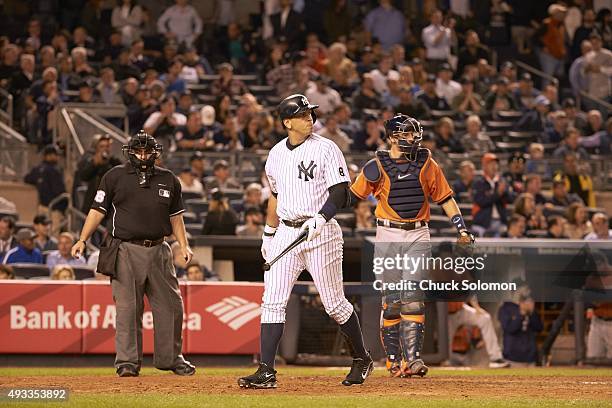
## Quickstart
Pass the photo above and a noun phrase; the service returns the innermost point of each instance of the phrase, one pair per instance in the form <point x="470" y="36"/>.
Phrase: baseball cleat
<point x="394" y="368"/>
<point x="416" y="367"/>
<point x="499" y="363"/>
<point x="127" y="370"/>
<point x="360" y="370"/>
<point x="264" y="377"/>
<point x="184" y="369"/>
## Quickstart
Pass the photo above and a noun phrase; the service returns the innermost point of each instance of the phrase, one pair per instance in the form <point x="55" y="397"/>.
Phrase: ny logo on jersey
<point x="308" y="172"/>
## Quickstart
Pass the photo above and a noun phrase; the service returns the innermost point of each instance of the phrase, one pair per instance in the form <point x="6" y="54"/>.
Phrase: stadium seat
<point x="437" y="114"/>
<point x="234" y="194"/>
<point x="509" y="115"/>
<point x="262" y="90"/>
<point x="439" y="222"/>
<point x="194" y="229"/>
<point x="536" y="233"/>
<point x="188" y="195"/>
<point x="509" y="146"/>
<point x="466" y="208"/>
<point x="498" y="125"/>
<point x="83" y="272"/>
<point x="345" y="220"/>
<point x="190" y="217"/>
<point x="428" y="124"/>
<point x="196" y="205"/>
<point x="28" y="270"/>
<point x="522" y="137"/>
<point x="496" y="135"/>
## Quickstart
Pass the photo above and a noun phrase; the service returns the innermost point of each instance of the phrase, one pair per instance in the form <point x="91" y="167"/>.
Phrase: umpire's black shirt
<point x="135" y="212"/>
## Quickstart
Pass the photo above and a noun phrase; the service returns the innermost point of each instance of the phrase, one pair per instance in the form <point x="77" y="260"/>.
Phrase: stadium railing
<point x="6" y="107"/>
<point x="14" y="154"/>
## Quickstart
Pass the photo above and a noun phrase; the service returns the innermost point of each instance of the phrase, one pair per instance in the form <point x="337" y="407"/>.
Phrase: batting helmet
<point x="399" y="127"/>
<point x="295" y="105"/>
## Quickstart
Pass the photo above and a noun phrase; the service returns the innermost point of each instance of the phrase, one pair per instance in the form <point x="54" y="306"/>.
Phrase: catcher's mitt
<point x="465" y="237"/>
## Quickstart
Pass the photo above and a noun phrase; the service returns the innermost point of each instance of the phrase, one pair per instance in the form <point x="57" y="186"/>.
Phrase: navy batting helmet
<point x="397" y="130"/>
<point x="295" y="105"/>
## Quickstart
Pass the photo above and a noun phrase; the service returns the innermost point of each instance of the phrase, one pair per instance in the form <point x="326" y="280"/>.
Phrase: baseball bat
<point x="301" y="238"/>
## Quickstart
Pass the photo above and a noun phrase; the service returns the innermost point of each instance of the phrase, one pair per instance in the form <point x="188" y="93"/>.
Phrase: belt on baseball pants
<point x="146" y="242"/>
<point x="293" y="224"/>
<point x="407" y="226"/>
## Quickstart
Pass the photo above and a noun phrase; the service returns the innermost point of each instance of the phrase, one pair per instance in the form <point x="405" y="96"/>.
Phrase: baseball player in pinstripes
<point x="309" y="182"/>
<point x="403" y="179"/>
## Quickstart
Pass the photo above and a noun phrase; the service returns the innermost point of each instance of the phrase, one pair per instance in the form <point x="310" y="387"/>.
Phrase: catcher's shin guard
<point x="411" y="338"/>
<point x="389" y="334"/>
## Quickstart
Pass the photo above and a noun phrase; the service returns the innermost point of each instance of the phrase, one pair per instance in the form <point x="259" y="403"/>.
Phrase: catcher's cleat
<point x="499" y="363"/>
<point x="394" y="368"/>
<point x="416" y="367"/>
<point x="360" y="370"/>
<point x="264" y="377"/>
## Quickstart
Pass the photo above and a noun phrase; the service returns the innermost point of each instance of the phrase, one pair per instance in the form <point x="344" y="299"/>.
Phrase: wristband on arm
<point x="458" y="222"/>
<point x="269" y="231"/>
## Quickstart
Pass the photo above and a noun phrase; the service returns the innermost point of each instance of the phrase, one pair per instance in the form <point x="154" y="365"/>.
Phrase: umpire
<point x="144" y="203"/>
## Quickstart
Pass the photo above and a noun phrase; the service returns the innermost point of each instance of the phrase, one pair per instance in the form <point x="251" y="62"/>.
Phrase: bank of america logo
<point x="235" y="311"/>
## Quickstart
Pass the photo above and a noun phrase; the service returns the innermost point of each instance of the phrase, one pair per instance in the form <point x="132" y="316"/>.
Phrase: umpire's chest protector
<point x="406" y="194"/>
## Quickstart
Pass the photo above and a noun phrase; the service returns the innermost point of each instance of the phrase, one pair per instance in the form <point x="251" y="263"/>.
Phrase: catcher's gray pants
<point x="150" y="271"/>
<point x="470" y="316"/>
<point x="599" y="340"/>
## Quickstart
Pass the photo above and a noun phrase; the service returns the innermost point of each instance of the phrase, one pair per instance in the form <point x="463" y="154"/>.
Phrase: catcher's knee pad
<point x="412" y="308"/>
<point x="391" y="306"/>
<point x="412" y="334"/>
<point x="389" y="329"/>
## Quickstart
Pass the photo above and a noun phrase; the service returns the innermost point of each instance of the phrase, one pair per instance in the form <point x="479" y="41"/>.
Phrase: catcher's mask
<point x="406" y="132"/>
<point x="142" y="151"/>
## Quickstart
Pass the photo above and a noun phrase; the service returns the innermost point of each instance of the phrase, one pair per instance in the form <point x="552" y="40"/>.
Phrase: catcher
<point x="403" y="179"/>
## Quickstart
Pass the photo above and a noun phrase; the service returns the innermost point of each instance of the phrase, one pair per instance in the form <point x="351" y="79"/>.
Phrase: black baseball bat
<point x="301" y="238"/>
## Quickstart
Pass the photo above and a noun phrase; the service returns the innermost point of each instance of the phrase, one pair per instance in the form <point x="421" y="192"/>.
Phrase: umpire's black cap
<point x="293" y="106"/>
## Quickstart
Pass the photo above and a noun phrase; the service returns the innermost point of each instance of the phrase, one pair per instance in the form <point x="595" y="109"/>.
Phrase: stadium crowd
<point x="206" y="78"/>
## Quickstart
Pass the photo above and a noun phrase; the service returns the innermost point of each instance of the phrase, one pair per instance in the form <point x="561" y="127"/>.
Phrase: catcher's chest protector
<point x="406" y="195"/>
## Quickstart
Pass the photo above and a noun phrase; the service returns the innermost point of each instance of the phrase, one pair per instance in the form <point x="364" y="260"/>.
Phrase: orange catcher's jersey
<point x="402" y="187"/>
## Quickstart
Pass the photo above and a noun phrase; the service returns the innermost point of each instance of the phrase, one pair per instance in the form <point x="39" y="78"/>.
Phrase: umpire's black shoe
<point x="360" y="370"/>
<point x="184" y="369"/>
<point x="264" y="377"/>
<point x="127" y="370"/>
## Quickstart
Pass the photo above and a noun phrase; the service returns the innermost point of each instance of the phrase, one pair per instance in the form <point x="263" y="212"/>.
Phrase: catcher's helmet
<point x="146" y="142"/>
<point x="295" y="105"/>
<point x="398" y="127"/>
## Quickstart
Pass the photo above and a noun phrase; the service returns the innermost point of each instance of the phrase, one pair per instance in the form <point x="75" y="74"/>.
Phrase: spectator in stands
<point x="288" y="23"/>
<point x="369" y="139"/>
<point x="25" y="251"/>
<point x="576" y="179"/>
<point x="556" y="227"/>
<point x="578" y="224"/>
<point x="467" y="100"/>
<point x="184" y="103"/>
<point x="350" y="126"/>
<point x="411" y="106"/>
<point x="525" y="93"/>
<point x="253" y="198"/>
<point x="582" y="33"/>
<point x="490" y="195"/>
<point x="471" y="52"/>
<point x="6" y="272"/>
<point x="500" y="99"/>
<point x="48" y="178"/>
<point x="445" y="136"/>
<point x="515" y="176"/>
<point x="62" y="272"/>
<point x="332" y="132"/>
<point x="180" y="23"/>
<point x="364" y="219"/>
<point x="520" y="324"/>
<point x="381" y="74"/>
<point x="430" y="96"/>
<point x="221" y="218"/>
<point x="93" y="166"/>
<point x="143" y="106"/>
<point x="81" y="66"/>
<point x="558" y="131"/>
<point x="601" y="231"/>
<point x="445" y="86"/>
<point x="46" y="106"/>
<point x="516" y="227"/>
<point x="253" y="223"/>
<point x="43" y="241"/>
<point x="321" y="94"/>
<point x="194" y="272"/>
<point x="535" y="119"/>
<point x="337" y="20"/>
<point x="128" y="91"/>
<point x="391" y="97"/>
<point x="575" y="118"/>
<point x="366" y="96"/>
<point x="533" y="186"/>
<point x="578" y="77"/>
<point x="221" y="178"/>
<point x="598" y="65"/>
<point x="163" y="123"/>
<point x="190" y="183"/>
<point x="386" y="24"/>
<point x="536" y="162"/>
<point x="226" y="84"/>
<point x="437" y="39"/>
<point x="285" y="76"/>
<point x="87" y="93"/>
<point x="8" y="67"/>
<point x="474" y="139"/>
<point x="108" y="89"/>
<point x="600" y="142"/>
<point x="7" y="239"/>
<point x="594" y="122"/>
<point x="48" y="74"/>
<point x="127" y="18"/>
<point x="525" y="205"/>
<point x="466" y="177"/>
<point x="560" y="195"/>
<point x="407" y="80"/>
<point x="172" y="78"/>
<point x="571" y="144"/>
<point x="191" y="136"/>
<point x="551" y="34"/>
<point x="62" y="255"/>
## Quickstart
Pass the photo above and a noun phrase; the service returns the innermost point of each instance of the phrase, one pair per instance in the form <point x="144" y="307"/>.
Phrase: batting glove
<point x="314" y="226"/>
<point x="266" y="241"/>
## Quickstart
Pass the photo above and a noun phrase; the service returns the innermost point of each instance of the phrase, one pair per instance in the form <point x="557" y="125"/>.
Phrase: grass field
<point x="320" y="387"/>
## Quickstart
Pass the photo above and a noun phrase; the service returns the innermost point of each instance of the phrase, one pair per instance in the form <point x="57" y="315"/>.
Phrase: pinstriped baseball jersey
<point x="301" y="175"/>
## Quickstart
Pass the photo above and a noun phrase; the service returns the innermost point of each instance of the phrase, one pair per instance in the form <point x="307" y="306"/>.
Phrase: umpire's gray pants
<point x="150" y="271"/>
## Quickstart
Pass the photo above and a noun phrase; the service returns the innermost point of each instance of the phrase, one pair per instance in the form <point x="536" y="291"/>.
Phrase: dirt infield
<point x="440" y="384"/>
